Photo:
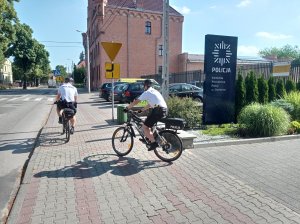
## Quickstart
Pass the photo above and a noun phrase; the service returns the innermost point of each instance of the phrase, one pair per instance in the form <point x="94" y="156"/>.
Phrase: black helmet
<point x="148" y="82"/>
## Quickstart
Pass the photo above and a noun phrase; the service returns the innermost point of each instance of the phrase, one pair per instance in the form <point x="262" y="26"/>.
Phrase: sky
<point x="258" y="24"/>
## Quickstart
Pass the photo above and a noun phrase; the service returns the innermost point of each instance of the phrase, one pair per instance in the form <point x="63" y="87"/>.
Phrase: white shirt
<point x="153" y="97"/>
<point x="67" y="92"/>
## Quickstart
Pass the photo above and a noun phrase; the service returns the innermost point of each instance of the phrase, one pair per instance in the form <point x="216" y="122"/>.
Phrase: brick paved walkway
<point x="83" y="181"/>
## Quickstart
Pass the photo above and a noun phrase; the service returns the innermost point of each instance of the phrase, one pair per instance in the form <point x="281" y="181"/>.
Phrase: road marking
<point x="38" y="99"/>
<point x="50" y="99"/>
<point x="12" y="99"/>
<point x="1" y="99"/>
<point x="27" y="99"/>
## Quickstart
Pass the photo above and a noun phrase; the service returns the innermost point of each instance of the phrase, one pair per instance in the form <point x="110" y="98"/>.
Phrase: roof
<point x="147" y="5"/>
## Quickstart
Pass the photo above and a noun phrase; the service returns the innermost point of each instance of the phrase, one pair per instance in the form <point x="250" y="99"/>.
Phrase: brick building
<point x="137" y="24"/>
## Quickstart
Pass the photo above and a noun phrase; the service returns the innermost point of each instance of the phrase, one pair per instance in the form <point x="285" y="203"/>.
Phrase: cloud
<point x="243" y="3"/>
<point x="213" y="7"/>
<point x="273" y="36"/>
<point x="244" y="50"/>
<point x="183" y="10"/>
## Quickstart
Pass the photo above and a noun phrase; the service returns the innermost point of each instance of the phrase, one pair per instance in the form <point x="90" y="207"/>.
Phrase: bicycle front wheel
<point x="171" y="148"/>
<point x="67" y="130"/>
<point x="122" y="141"/>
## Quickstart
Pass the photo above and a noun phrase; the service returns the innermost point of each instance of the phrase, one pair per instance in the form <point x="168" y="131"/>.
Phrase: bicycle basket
<point x="174" y="123"/>
<point x="69" y="113"/>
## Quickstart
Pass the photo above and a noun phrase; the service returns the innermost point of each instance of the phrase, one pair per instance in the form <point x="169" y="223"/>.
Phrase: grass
<point x="224" y="129"/>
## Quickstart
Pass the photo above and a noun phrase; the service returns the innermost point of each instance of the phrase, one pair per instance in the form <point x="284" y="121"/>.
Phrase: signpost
<point x="112" y="71"/>
<point x="219" y="86"/>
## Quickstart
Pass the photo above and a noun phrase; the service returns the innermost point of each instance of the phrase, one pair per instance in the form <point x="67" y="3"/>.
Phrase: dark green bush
<point x="294" y="99"/>
<point x="290" y="86"/>
<point x="187" y="109"/>
<point x="240" y="95"/>
<point x="272" y="90"/>
<point x="280" y="89"/>
<point x="258" y="120"/>
<point x="262" y="90"/>
<point x="251" y="88"/>
<point x="298" y="85"/>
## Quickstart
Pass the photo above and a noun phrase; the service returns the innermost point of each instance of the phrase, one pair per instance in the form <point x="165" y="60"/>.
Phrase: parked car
<point x="133" y="90"/>
<point x="106" y="88"/>
<point x="186" y="90"/>
<point x="118" y="93"/>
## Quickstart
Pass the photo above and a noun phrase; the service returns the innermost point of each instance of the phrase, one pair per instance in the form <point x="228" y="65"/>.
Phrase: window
<point x="160" y="69"/>
<point x="160" y="50"/>
<point x="148" y="27"/>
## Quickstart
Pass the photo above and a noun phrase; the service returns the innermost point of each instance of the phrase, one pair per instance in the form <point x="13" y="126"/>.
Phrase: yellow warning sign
<point x="111" y="49"/>
<point x="112" y="71"/>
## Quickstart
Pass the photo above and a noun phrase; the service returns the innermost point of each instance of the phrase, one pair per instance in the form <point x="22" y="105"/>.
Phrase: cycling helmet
<point x="148" y="83"/>
<point x="68" y="79"/>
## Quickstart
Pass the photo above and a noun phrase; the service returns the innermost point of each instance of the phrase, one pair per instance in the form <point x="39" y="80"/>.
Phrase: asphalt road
<point x="22" y="115"/>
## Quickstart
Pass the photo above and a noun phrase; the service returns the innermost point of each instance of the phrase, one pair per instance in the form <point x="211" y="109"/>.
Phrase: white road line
<point x="2" y="99"/>
<point x="50" y="99"/>
<point x="27" y="99"/>
<point x="38" y="99"/>
<point x="12" y="99"/>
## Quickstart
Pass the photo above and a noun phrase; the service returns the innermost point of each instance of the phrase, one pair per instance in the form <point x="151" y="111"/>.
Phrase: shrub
<point x="262" y="90"/>
<point x="258" y="120"/>
<point x="272" y="90"/>
<point x="240" y="95"/>
<point x="290" y="86"/>
<point x="298" y="85"/>
<point x="280" y="90"/>
<point x="295" y="125"/>
<point x="187" y="109"/>
<point x="251" y="88"/>
<point x="288" y="107"/>
<point x="294" y="99"/>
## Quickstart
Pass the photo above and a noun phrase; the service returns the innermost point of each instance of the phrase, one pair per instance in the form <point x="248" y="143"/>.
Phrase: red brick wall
<point x="139" y="52"/>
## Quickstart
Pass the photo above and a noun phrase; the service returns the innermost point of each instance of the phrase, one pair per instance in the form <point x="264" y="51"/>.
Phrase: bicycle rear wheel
<point x="122" y="141"/>
<point x="67" y="130"/>
<point x="171" y="149"/>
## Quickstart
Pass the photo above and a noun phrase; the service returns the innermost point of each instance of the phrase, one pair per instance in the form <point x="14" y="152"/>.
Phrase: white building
<point x="6" y="75"/>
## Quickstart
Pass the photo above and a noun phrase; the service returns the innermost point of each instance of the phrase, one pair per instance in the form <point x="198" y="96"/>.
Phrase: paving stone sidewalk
<point x="83" y="181"/>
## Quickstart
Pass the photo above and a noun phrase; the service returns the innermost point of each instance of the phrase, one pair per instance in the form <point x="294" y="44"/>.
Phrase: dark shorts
<point x="62" y="104"/>
<point x="155" y="115"/>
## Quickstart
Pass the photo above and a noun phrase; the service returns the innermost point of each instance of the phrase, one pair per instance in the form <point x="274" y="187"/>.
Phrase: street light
<point x="87" y="56"/>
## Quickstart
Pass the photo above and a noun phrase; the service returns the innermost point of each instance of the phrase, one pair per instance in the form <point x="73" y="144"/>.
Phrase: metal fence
<point x="198" y="76"/>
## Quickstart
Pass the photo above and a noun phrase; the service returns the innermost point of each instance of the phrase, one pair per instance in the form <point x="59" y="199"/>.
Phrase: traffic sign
<point x="111" y="49"/>
<point x="112" y="71"/>
<point x="56" y="72"/>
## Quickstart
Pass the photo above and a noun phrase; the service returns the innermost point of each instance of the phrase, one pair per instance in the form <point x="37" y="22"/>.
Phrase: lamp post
<point x="85" y="36"/>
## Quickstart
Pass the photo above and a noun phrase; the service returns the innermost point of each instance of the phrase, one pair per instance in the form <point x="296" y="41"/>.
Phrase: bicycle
<point x="67" y="114"/>
<point x="170" y="145"/>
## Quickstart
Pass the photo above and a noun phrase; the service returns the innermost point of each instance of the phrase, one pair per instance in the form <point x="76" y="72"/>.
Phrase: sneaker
<point x="60" y="120"/>
<point x="72" y="130"/>
<point x="153" y="146"/>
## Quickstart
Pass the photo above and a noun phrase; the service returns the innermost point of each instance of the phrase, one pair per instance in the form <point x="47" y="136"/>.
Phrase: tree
<point x="23" y="50"/>
<point x="262" y="90"/>
<point x="79" y="75"/>
<point x="240" y="95"/>
<point x="63" y="70"/>
<point x="280" y="90"/>
<point x="7" y="30"/>
<point x="286" y="52"/>
<point x="251" y="88"/>
<point x="290" y="86"/>
<point x="272" y="90"/>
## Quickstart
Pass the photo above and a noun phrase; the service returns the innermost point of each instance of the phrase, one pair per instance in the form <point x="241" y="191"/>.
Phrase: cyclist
<point x="67" y="98"/>
<point x="159" y="109"/>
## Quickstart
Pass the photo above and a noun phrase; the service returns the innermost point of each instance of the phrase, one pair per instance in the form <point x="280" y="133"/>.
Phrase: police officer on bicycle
<point x="159" y="109"/>
<point x="67" y="98"/>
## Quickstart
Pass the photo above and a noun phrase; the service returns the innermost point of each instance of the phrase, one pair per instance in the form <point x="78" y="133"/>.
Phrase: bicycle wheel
<point x="67" y="130"/>
<point x="122" y="141"/>
<point x="171" y="149"/>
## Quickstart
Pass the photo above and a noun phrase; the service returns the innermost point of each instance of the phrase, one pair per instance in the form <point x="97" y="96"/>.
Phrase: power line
<point x="60" y="42"/>
<point x="64" y="46"/>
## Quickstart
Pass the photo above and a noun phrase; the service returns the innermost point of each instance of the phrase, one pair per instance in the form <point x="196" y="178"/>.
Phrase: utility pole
<point x="165" y="67"/>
